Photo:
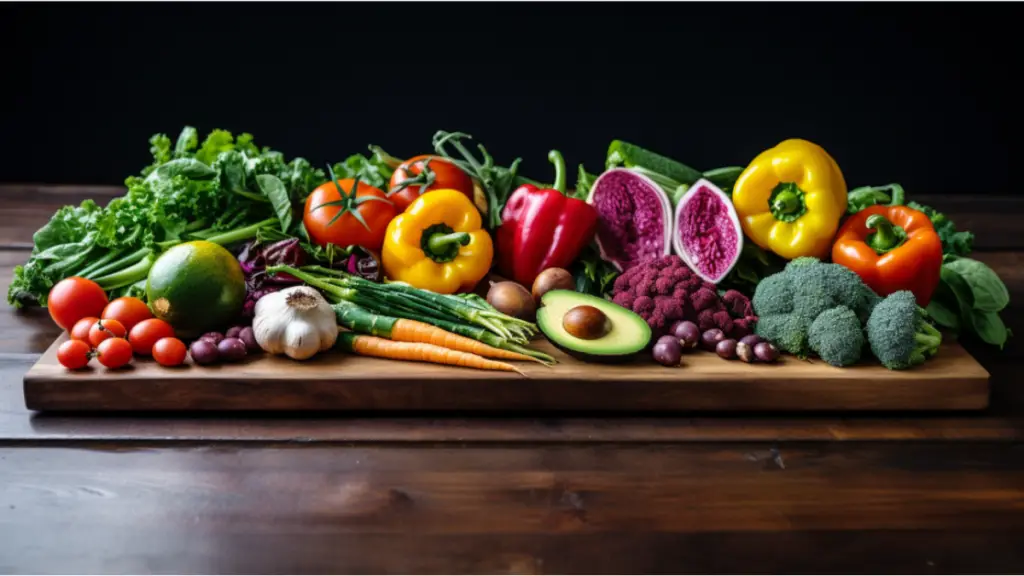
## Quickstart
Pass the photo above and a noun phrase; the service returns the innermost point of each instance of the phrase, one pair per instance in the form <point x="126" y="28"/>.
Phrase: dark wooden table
<point x="897" y="493"/>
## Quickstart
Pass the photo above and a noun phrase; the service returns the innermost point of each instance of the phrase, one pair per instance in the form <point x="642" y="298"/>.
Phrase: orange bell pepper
<point x="891" y="248"/>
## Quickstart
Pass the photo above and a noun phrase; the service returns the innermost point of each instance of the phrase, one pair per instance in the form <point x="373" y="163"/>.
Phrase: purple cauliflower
<point x="664" y="291"/>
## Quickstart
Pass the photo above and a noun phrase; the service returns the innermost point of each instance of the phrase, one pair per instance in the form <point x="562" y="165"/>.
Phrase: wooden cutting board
<point x="952" y="380"/>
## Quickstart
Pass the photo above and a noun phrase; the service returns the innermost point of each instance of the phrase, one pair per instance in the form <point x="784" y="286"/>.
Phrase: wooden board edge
<point x="40" y="387"/>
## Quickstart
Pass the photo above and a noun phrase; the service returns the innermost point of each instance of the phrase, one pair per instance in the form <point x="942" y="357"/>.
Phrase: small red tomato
<point x="75" y="298"/>
<point x="127" y="310"/>
<point x="81" y="329"/>
<point x="114" y="352"/>
<point x="74" y="354"/>
<point x="145" y="335"/>
<point x="410" y="181"/>
<point x="169" y="351"/>
<point x="104" y="329"/>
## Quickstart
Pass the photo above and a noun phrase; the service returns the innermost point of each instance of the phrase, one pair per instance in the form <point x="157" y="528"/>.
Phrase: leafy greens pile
<point x="224" y="190"/>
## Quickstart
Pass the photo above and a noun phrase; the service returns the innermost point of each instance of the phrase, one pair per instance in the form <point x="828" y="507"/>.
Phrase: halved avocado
<point x="628" y="333"/>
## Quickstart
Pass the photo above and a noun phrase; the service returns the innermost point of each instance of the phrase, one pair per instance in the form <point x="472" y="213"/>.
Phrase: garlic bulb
<point x="296" y="321"/>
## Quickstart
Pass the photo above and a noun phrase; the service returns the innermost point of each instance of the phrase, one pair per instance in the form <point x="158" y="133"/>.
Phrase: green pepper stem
<point x="441" y="243"/>
<point x="886" y="236"/>
<point x="786" y="203"/>
<point x="555" y="157"/>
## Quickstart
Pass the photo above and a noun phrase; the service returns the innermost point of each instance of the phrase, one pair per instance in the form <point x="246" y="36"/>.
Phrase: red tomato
<point x="74" y="298"/>
<point x="127" y="310"/>
<point x="105" y="329"/>
<point x="445" y="175"/>
<point x="114" y="352"/>
<point x="169" y="351"/>
<point x="73" y="354"/>
<point x="146" y="333"/>
<point x="369" y="202"/>
<point x="80" y="331"/>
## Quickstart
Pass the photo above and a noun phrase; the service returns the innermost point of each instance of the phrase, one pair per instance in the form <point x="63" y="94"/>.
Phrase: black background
<point x="915" y="93"/>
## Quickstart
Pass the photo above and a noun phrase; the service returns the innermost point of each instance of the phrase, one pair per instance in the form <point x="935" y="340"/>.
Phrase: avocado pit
<point x="586" y="322"/>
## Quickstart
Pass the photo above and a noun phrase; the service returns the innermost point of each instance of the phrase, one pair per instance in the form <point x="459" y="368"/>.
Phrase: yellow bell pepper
<point x="790" y="199"/>
<point x="438" y="244"/>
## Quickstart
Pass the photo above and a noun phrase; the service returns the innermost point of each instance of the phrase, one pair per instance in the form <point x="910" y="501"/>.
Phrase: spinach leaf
<point x="990" y="328"/>
<point x="274" y="189"/>
<point x="988" y="291"/>
<point x="942" y="314"/>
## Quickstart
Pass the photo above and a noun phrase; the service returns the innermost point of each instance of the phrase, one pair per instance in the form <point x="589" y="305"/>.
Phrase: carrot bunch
<point x="403" y="339"/>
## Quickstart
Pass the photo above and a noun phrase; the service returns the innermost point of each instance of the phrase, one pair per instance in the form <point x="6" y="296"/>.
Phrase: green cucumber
<point x="632" y="156"/>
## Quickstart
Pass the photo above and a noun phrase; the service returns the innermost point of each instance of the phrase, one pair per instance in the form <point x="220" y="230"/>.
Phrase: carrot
<point x="416" y="352"/>
<point x="360" y="320"/>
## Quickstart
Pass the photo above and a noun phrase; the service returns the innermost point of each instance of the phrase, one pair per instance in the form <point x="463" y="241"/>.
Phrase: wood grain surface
<point x="800" y="493"/>
<point x="557" y="509"/>
<point x="952" y="380"/>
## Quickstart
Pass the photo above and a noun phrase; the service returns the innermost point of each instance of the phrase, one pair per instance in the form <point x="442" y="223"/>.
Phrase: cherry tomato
<point x="74" y="354"/>
<point x="114" y="352"/>
<point x="169" y="351"/>
<point x="104" y="329"/>
<point x="75" y="298"/>
<point x="127" y="310"/>
<point x="145" y="334"/>
<point x="369" y="202"/>
<point x="445" y="175"/>
<point x="80" y="331"/>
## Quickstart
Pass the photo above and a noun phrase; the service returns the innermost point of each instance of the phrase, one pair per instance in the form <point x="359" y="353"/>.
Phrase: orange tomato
<point x="114" y="352"/>
<point x="127" y="310"/>
<point x="169" y="351"/>
<point x="146" y="333"/>
<point x="330" y="214"/>
<point x="80" y="331"/>
<point x="73" y="354"/>
<point x="104" y="329"/>
<point x="440" y="173"/>
<point x="75" y="298"/>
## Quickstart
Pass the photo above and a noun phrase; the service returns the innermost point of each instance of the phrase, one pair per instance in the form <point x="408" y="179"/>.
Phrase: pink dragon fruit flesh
<point x="707" y="233"/>
<point x="634" y="218"/>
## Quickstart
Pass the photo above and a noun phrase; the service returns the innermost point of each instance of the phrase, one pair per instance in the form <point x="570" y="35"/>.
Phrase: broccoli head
<point x="824" y="286"/>
<point x="898" y="333"/>
<point x="837" y="336"/>
<point x="810" y="295"/>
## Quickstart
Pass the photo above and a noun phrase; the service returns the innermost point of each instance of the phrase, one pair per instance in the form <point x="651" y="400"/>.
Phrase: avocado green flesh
<point x="629" y="332"/>
<point x="196" y="289"/>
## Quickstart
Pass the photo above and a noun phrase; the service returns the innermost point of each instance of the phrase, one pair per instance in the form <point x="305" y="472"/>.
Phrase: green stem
<point x="787" y="202"/>
<point x="387" y="159"/>
<point x="239" y="234"/>
<point x="442" y="243"/>
<point x="130" y="275"/>
<point x="98" y="265"/>
<point x="555" y="157"/>
<point x="886" y="236"/>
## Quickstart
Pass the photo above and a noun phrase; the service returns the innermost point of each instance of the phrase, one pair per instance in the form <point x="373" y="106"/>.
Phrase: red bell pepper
<point x="542" y="228"/>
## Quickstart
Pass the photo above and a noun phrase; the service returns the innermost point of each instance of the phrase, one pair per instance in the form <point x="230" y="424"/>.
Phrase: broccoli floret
<point x="825" y="286"/>
<point x="837" y="336"/>
<point x="802" y="261"/>
<point x="773" y="295"/>
<point x="898" y="333"/>
<point x="787" y="331"/>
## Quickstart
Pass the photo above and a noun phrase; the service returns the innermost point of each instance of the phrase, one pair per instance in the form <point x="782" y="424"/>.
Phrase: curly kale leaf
<point x="957" y="243"/>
